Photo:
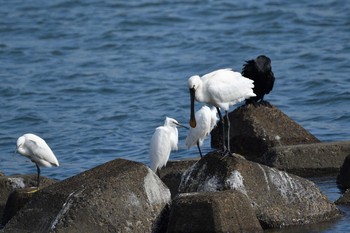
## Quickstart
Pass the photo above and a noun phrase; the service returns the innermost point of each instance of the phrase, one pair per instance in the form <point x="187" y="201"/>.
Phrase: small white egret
<point x="206" y="120"/>
<point x="164" y="140"/>
<point x="221" y="88"/>
<point x="37" y="150"/>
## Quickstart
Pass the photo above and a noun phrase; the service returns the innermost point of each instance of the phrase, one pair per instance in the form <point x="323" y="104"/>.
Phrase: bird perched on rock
<point x="206" y="120"/>
<point x="259" y="70"/>
<point x="36" y="149"/>
<point x="222" y="89"/>
<point x="164" y="140"/>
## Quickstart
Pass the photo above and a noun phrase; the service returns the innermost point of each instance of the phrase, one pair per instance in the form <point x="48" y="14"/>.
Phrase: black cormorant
<point x="259" y="70"/>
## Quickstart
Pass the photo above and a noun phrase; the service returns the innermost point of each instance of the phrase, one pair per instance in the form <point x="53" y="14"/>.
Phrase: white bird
<point x="221" y="88"/>
<point x="37" y="150"/>
<point x="164" y="140"/>
<point x="206" y="120"/>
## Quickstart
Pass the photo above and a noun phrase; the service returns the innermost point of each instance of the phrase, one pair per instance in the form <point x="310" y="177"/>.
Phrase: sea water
<point x="95" y="78"/>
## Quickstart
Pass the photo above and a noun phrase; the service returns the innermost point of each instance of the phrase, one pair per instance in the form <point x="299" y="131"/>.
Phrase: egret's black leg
<point x="199" y="149"/>
<point x="38" y="178"/>
<point x="223" y="130"/>
<point x="219" y="113"/>
<point x="158" y="173"/>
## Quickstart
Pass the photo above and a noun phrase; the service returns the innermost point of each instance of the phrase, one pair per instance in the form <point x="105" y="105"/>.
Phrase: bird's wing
<point x="160" y="148"/>
<point x="193" y="135"/>
<point x="270" y="82"/>
<point x="213" y="118"/>
<point x="249" y="70"/>
<point x="42" y="153"/>
<point x="214" y="74"/>
<point x="202" y="129"/>
<point x="230" y="87"/>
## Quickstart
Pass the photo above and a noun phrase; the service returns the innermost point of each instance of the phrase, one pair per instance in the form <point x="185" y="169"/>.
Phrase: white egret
<point x="221" y="88"/>
<point x="259" y="70"/>
<point x="206" y="120"/>
<point x="164" y="140"/>
<point x="37" y="150"/>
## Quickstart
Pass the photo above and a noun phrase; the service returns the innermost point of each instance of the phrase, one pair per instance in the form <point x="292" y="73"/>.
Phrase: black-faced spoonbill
<point x="222" y="89"/>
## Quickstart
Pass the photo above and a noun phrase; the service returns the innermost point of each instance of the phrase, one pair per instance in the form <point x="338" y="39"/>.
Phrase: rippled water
<point x="95" y="78"/>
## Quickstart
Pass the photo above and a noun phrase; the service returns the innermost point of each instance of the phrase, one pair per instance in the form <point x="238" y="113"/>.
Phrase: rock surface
<point x="343" y="178"/>
<point x="254" y="130"/>
<point x="310" y="159"/>
<point x="279" y="199"/>
<point x="344" y="199"/>
<point x="9" y="184"/>
<point x="227" y="211"/>
<point x="118" y="196"/>
<point x="16" y="201"/>
<point x="172" y="173"/>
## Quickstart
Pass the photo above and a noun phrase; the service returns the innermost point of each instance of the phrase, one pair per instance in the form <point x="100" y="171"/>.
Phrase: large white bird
<point x="206" y="120"/>
<point x="222" y="89"/>
<point x="164" y="140"/>
<point x="37" y="150"/>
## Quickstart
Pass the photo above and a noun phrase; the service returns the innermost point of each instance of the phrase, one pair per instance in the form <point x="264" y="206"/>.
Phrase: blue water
<point x="328" y="187"/>
<point x="95" y="78"/>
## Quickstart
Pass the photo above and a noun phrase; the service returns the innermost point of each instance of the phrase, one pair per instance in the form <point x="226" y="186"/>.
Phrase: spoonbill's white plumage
<point x="206" y="120"/>
<point x="164" y="140"/>
<point x="221" y="88"/>
<point x="36" y="149"/>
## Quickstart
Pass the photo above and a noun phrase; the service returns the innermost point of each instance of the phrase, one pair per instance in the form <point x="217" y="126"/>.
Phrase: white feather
<point x="206" y="121"/>
<point x="164" y="140"/>
<point x="37" y="150"/>
<point x="222" y="88"/>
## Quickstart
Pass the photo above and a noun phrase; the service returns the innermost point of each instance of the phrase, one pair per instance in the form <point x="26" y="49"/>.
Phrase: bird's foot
<point x="226" y="153"/>
<point x="265" y="103"/>
<point x="33" y="190"/>
<point x="251" y="102"/>
<point x="223" y="149"/>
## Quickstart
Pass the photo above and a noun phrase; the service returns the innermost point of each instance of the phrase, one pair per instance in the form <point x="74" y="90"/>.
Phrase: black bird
<point x="259" y="70"/>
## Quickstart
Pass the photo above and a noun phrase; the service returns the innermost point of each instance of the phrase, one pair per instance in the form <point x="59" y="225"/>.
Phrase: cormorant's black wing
<point x="249" y="70"/>
<point x="270" y="80"/>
